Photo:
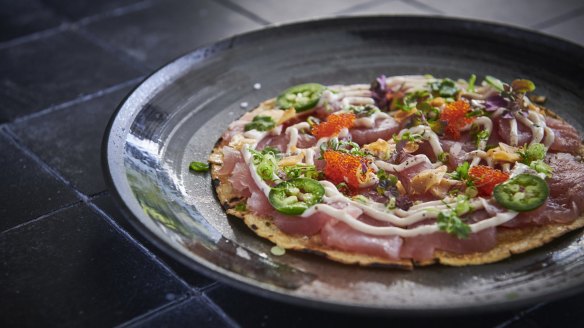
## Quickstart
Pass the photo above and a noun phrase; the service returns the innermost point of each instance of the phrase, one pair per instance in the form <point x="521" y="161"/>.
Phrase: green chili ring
<point x="523" y="193"/>
<point x="301" y="97"/>
<point x="294" y="196"/>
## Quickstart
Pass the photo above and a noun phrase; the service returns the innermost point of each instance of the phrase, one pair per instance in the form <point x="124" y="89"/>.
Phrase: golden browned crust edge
<point x="509" y="241"/>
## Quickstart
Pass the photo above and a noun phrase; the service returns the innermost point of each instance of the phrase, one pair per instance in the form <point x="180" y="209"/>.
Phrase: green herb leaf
<point x="260" y="123"/>
<point x="407" y="136"/>
<point x="199" y="166"/>
<point x="522" y="86"/>
<point x="495" y="83"/>
<point x="443" y="88"/>
<point x="471" y="83"/>
<point x="348" y="147"/>
<point x="443" y="157"/>
<point x="541" y="167"/>
<point x="240" y="207"/>
<point x="533" y="152"/>
<point x="364" y="111"/>
<point x="461" y="172"/>
<point x="431" y="113"/>
<point x="301" y="170"/>
<point x="266" y="164"/>
<point x="450" y="223"/>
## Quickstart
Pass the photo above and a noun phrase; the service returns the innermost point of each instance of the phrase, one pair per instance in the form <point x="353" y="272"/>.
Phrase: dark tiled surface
<point x="395" y="7"/>
<point x="106" y="203"/>
<point x="49" y="71"/>
<point x="256" y="311"/>
<point x="73" y="61"/>
<point x="162" y="32"/>
<point x="73" y="269"/>
<point x="191" y="313"/>
<point x="524" y="13"/>
<point x="69" y="139"/>
<point x="83" y="8"/>
<point x="28" y="190"/>
<point x="569" y="28"/>
<point x="22" y="17"/>
<point x="287" y="11"/>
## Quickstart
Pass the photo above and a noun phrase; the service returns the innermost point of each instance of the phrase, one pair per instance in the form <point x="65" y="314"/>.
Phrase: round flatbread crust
<point x="509" y="241"/>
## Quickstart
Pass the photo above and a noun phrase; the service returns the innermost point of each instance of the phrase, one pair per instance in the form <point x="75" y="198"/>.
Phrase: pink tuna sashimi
<point x="296" y="225"/>
<point x="340" y="235"/>
<point x="384" y="129"/>
<point x="567" y="138"/>
<point x="231" y="157"/>
<point x="565" y="202"/>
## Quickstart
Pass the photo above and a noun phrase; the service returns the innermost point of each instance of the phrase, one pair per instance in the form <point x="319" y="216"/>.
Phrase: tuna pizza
<point x="407" y="170"/>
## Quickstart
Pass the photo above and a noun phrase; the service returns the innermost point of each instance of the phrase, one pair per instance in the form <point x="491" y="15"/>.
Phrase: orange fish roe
<point x="341" y="167"/>
<point x="486" y="178"/>
<point x="455" y="116"/>
<point x="334" y="124"/>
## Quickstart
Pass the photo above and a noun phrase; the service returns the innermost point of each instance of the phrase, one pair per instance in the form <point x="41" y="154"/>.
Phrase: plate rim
<point x="576" y="50"/>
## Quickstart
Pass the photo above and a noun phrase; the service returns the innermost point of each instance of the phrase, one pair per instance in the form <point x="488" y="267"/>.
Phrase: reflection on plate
<point x="179" y="112"/>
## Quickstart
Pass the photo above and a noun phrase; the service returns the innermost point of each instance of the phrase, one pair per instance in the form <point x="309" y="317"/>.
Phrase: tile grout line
<point x="242" y="11"/>
<point x="116" y="12"/>
<point x="361" y="6"/>
<point x="87" y="201"/>
<point x="209" y="302"/>
<point x="152" y="313"/>
<point x="42" y="217"/>
<point x="66" y="23"/>
<point x="519" y="316"/>
<point x="64" y="26"/>
<point x="558" y="19"/>
<point x="78" y="100"/>
<point x="423" y="6"/>
<point x="120" y="54"/>
<point x="136" y="243"/>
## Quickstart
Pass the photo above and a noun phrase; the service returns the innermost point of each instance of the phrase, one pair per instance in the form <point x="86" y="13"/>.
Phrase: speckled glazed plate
<point x="178" y="113"/>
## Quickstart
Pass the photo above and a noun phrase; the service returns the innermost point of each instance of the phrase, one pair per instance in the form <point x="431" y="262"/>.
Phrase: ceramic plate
<point x="177" y="114"/>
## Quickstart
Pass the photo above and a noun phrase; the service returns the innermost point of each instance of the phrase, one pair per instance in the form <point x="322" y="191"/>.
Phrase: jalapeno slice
<point x="294" y="196"/>
<point x="302" y="97"/>
<point x="524" y="192"/>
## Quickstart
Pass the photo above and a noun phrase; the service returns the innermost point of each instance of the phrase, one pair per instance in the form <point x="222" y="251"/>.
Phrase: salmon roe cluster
<point x="341" y="167"/>
<point x="334" y="124"/>
<point x="455" y="116"/>
<point x="486" y="178"/>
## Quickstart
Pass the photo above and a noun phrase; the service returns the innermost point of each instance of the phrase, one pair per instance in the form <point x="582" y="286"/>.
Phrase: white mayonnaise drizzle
<point x="426" y="133"/>
<point x="369" y="122"/>
<point x="345" y="96"/>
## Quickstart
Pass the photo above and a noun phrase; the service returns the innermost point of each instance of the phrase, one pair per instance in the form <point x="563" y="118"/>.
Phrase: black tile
<point x="253" y="311"/>
<point x="562" y="313"/>
<point x="82" y="8"/>
<point x="191" y="313"/>
<point x="69" y="139"/>
<point x="22" y="17"/>
<point x="55" y="69"/>
<point x="287" y="11"/>
<point x="570" y="29"/>
<point x="28" y="190"/>
<point x="394" y="7"/>
<point x="163" y="32"/>
<point x="194" y="279"/>
<point x="524" y="13"/>
<point x="73" y="269"/>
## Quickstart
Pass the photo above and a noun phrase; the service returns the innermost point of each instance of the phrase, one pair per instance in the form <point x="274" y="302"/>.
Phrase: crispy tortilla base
<point x="509" y="241"/>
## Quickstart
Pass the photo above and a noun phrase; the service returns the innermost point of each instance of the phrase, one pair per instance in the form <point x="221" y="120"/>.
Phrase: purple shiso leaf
<point x="493" y="103"/>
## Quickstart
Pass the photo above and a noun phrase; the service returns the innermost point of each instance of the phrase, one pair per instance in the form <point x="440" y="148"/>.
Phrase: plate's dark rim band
<point x="565" y="50"/>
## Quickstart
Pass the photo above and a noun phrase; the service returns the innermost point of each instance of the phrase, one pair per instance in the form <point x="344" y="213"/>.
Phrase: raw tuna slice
<point x="339" y="235"/>
<point x="568" y="139"/>
<point x="384" y="129"/>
